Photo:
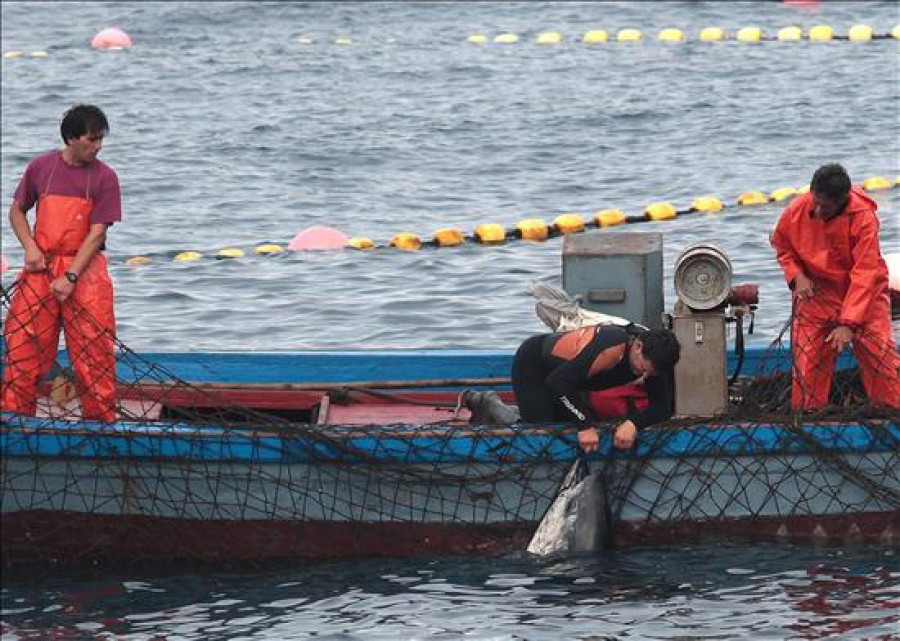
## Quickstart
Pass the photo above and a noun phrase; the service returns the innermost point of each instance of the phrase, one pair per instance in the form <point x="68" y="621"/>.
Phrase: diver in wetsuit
<point x="550" y="372"/>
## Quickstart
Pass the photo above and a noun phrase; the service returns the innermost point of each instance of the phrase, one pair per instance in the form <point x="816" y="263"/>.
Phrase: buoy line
<point x="529" y="229"/>
<point x="750" y="34"/>
<point x="113" y="38"/>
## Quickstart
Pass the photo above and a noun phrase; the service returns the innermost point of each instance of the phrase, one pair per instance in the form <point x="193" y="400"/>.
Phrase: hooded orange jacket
<point x="841" y="256"/>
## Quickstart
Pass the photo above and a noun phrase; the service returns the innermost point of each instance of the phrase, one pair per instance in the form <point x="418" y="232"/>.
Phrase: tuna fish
<point x="579" y="520"/>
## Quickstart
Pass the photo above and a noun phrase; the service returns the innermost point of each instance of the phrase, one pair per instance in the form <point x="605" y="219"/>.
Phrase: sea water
<point x="240" y="123"/>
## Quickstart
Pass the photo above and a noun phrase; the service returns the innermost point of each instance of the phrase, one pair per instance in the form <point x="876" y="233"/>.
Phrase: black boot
<point x="487" y="409"/>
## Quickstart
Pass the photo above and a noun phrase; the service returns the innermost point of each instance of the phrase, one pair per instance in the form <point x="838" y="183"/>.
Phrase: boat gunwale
<point x="42" y="438"/>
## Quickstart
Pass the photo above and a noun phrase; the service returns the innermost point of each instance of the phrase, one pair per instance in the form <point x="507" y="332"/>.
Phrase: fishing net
<point x="190" y="471"/>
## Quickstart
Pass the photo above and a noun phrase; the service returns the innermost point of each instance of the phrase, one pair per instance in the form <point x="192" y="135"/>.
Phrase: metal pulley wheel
<point x="703" y="277"/>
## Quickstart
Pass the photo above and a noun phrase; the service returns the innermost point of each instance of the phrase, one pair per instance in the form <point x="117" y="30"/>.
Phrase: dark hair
<point x="661" y="348"/>
<point x="83" y="119"/>
<point x="831" y="181"/>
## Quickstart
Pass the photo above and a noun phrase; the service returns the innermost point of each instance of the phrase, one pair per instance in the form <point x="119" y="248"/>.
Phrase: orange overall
<point x="32" y="326"/>
<point x="842" y="258"/>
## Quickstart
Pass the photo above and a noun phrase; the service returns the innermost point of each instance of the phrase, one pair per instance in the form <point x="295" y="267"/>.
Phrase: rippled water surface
<point x="701" y="592"/>
<point x="229" y="131"/>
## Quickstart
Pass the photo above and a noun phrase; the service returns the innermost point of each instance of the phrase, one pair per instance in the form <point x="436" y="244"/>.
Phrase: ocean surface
<point x="705" y="591"/>
<point x="239" y="123"/>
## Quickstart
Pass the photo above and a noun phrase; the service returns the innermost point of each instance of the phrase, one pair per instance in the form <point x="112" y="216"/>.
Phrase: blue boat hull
<point x="152" y="490"/>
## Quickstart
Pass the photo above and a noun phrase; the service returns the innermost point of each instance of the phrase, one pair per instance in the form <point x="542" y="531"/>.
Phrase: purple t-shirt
<point x="66" y="180"/>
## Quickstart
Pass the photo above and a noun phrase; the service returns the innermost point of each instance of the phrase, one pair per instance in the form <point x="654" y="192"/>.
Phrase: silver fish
<point x="579" y="519"/>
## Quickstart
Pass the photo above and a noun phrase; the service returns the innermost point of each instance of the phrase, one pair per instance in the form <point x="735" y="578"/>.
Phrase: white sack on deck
<point x="561" y="312"/>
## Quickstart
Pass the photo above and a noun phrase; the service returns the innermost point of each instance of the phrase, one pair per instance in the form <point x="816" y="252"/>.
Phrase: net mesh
<point x="187" y="472"/>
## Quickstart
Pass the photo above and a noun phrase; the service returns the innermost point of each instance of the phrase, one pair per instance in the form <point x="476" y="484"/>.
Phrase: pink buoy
<point x="4" y="264"/>
<point x="111" y="38"/>
<point x="317" y="238"/>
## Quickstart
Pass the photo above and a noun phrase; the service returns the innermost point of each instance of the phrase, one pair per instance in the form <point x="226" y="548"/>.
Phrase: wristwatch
<point x="71" y="276"/>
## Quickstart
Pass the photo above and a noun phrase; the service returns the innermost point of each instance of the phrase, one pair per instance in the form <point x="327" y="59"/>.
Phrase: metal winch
<point x="707" y="301"/>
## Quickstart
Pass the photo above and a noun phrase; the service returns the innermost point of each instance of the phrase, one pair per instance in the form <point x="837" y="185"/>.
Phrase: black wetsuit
<point x="551" y="389"/>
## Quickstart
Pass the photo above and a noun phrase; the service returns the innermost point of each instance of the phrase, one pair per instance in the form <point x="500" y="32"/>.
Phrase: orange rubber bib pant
<point x="843" y="259"/>
<point x="814" y="360"/>
<point x="32" y="325"/>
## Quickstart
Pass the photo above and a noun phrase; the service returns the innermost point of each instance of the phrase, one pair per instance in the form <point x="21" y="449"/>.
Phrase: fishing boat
<point x="233" y="457"/>
<point x="248" y="457"/>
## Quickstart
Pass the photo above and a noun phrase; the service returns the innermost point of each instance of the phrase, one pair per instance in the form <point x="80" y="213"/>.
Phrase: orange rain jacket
<point x="843" y="259"/>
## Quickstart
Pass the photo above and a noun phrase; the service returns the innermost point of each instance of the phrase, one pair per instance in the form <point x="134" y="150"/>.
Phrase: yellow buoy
<point x="609" y="217"/>
<point x="490" y="233"/>
<point x="821" y="33"/>
<point x="595" y="36"/>
<point x="860" y="33"/>
<point x="629" y="35"/>
<point x="230" y="252"/>
<point x="749" y="34"/>
<point x="803" y="190"/>
<point x="895" y="32"/>
<point x="568" y="223"/>
<point x="671" y="35"/>
<point x="407" y="242"/>
<point x="359" y="242"/>
<point x="707" y="203"/>
<point x="343" y="40"/>
<point x="39" y="54"/>
<point x="712" y="34"/>
<point x="660" y="211"/>
<point x="752" y="198"/>
<point x="506" y="39"/>
<point x="533" y="229"/>
<point x="549" y="38"/>
<point x="185" y="257"/>
<point x="12" y="54"/>
<point x="478" y="38"/>
<point x="136" y="261"/>
<point x="448" y="237"/>
<point x="876" y="182"/>
<point x="268" y="248"/>
<point x="790" y="34"/>
<point x="783" y="194"/>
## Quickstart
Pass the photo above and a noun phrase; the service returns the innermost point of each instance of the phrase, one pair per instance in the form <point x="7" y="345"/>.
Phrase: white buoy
<point x="893" y="265"/>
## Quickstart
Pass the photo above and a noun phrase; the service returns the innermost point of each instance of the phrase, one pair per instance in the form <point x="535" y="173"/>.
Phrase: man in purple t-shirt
<point x="65" y="277"/>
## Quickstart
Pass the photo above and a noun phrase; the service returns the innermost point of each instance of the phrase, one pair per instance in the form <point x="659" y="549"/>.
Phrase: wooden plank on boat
<point x="391" y="414"/>
<point x="71" y="411"/>
<point x="305" y="387"/>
